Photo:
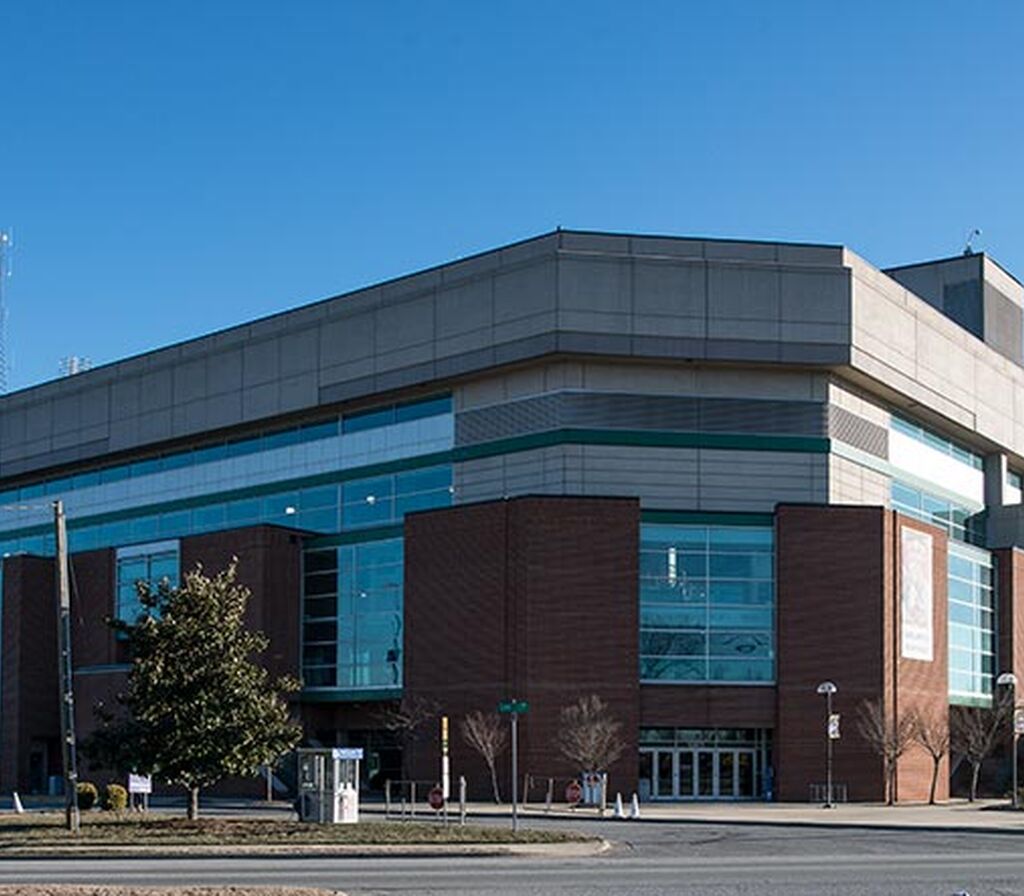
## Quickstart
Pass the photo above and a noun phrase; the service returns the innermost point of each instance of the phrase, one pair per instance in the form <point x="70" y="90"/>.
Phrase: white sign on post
<point x="916" y="598"/>
<point x="833" y="726"/>
<point x="1018" y="722"/>
<point x="140" y="784"/>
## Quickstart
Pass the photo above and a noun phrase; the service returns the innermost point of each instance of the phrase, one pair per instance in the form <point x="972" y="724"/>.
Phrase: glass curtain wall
<point x="707" y="603"/>
<point x="305" y="477"/>
<point x="972" y="625"/>
<point x="352" y="616"/>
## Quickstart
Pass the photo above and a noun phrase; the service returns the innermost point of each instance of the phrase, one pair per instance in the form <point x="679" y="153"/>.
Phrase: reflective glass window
<point x="706" y="603"/>
<point x="153" y="563"/>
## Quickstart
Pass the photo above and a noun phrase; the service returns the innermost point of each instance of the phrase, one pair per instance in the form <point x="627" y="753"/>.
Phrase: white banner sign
<point x="140" y="784"/>
<point x="916" y="598"/>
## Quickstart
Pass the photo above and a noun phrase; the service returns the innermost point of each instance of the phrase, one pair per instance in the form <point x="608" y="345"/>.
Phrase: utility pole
<point x="67" y="694"/>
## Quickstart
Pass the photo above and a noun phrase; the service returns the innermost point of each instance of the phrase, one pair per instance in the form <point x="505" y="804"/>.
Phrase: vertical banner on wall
<point x="916" y="598"/>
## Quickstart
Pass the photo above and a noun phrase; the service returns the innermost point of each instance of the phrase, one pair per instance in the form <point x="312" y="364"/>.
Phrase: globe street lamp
<point x="1008" y="679"/>
<point x="828" y="688"/>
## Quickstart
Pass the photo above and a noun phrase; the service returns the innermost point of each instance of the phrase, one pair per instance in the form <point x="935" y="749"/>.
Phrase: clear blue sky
<point x="170" y="168"/>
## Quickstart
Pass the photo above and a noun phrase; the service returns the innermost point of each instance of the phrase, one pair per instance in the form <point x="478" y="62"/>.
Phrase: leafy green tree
<point x="197" y="709"/>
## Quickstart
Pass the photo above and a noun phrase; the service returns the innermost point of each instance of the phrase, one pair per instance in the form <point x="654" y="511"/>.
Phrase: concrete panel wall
<point x="915" y="357"/>
<point x="561" y="293"/>
<point x="663" y="478"/>
<point x="793" y="312"/>
<point x="851" y="483"/>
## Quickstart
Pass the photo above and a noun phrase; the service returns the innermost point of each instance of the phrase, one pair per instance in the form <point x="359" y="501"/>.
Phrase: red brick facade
<point x="533" y="598"/>
<point x="838" y="587"/>
<point x="537" y="598"/>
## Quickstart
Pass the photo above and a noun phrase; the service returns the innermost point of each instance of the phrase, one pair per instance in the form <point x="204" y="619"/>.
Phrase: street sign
<point x="517" y="706"/>
<point x="1018" y="722"/>
<point x="833" y="726"/>
<point x="436" y="798"/>
<point x="573" y="793"/>
<point x="347" y="753"/>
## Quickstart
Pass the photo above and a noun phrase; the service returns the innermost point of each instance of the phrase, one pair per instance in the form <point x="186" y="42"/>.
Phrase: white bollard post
<point x="634" y="810"/>
<point x="18" y="807"/>
<point x="619" y="811"/>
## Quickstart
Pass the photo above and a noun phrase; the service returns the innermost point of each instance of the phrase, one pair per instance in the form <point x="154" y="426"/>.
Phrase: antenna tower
<point x="6" y="248"/>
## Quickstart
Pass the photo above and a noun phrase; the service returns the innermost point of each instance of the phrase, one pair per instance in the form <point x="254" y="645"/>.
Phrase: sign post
<point x="513" y="708"/>
<point x="445" y="773"/>
<point x="828" y="688"/>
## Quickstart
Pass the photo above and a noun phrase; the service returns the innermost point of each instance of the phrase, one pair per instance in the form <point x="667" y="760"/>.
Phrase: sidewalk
<point x="991" y="816"/>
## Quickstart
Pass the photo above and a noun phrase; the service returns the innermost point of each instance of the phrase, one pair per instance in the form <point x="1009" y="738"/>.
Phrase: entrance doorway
<point x="709" y="774"/>
<point x="710" y="764"/>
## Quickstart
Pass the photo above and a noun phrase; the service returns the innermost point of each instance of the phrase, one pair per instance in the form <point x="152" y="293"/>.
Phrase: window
<point x="955" y="520"/>
<point x="972" y="624"/>
<point x="352" y="616"/>
<point x="154" y="563"/>
<point x="707" y="603"/>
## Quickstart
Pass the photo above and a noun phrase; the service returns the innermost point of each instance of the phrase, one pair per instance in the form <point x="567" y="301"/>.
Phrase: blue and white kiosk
<point x="329" y="785"/>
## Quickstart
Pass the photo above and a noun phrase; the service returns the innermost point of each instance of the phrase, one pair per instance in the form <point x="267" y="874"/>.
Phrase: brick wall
<point x="838" y="577"/>
<point x="533" y="598"/>
<point x="29" y="687"/>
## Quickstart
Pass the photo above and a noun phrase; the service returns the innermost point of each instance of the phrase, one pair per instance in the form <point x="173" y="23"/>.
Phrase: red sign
<point x="436" y="798"/>
<point x="573" y="792"/>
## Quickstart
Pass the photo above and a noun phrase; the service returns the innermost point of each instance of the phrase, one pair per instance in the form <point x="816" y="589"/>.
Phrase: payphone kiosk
<point x="329" y="785"/>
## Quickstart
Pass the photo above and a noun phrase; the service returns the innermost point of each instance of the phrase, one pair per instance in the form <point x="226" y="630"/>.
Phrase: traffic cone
<point x="619" y="811"/>
<point x="634" y="810"/>
<point x="18" y="807"/>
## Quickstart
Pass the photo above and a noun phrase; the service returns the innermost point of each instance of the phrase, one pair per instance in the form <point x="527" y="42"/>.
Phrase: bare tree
<point x="588" y="734"/>
<point x="404" y="719"/>
<point x="932" y="733"/>
<point x="889" y="735"/>
<point x="485" y="733"/>
<point x="975" y="732"/>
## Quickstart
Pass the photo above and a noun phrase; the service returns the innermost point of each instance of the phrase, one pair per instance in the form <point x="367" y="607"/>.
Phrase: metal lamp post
<point x="1008" y="679"/>
<point x="828" y="688"/>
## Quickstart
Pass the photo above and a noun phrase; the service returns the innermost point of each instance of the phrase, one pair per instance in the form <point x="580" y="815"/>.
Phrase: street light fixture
<point x="1008" y="679"/>
<point x="828" y="688"/>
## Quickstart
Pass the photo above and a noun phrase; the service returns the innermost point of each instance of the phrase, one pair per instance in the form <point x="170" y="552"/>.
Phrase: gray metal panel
<point x="845" y="426"/>
<point x="597" y="410"/>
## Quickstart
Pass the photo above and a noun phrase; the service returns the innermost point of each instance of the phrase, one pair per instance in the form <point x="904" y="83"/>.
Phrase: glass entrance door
<point x="703" y="774"/>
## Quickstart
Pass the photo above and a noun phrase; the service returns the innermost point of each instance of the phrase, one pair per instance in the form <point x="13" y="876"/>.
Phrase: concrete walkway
<point x="956" y="815"/>
<point x="982" y="815"/>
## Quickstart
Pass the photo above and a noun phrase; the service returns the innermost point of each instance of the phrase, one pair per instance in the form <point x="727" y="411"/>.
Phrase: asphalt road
<point x="649" y="859"/>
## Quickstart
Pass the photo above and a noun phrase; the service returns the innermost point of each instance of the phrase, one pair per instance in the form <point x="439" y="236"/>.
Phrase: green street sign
<point x="516" y="706"/>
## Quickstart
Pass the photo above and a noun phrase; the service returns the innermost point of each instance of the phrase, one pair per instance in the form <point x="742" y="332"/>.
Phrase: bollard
<point x="462" y="800"/>
<point x="634" y="810"/>
<point x="550" y="795"/>
<point x="387" y="799"/>
<point x="19" y="809"/>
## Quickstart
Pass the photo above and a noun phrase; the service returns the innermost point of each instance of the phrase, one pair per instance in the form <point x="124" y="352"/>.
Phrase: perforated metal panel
<point x="667" y="413"/>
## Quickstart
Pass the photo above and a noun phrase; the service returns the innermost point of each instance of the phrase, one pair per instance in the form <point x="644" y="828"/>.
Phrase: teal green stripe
<point x="340" y="695"/>
<point x="515" y="444"/>
<point x="707" y="518"/>
<point x="357" y="537"/>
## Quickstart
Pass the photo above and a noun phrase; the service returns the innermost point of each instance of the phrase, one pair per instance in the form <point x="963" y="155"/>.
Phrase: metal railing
<point x="403" y="798"/>
<point x="819" y="793"/>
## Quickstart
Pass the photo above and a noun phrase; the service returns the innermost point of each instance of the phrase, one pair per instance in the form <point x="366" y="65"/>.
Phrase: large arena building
<point x="696" y="478"/>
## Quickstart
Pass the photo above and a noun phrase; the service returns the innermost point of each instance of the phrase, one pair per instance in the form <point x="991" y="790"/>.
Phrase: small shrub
<point x="87" y="795"/>
<point x="115" y="798"/>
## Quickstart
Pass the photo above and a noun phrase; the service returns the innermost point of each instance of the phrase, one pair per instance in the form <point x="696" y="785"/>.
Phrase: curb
<point x="577" y="849"/>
